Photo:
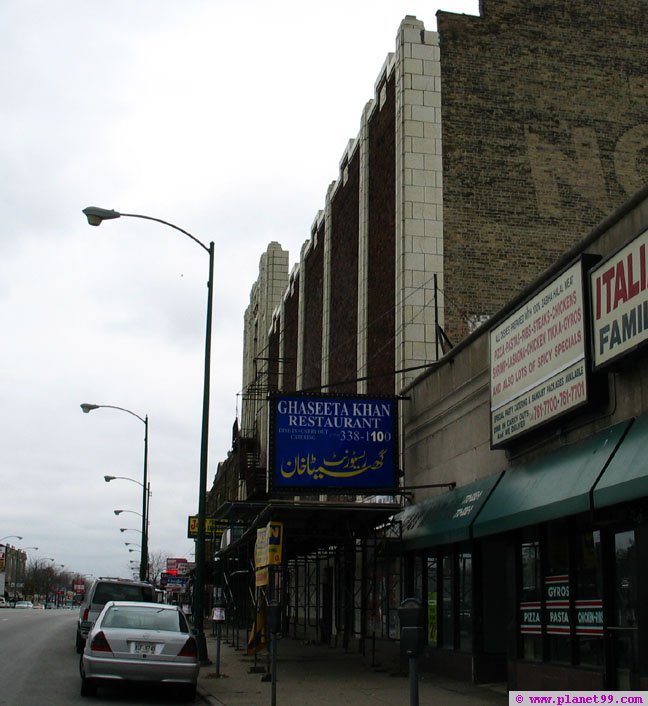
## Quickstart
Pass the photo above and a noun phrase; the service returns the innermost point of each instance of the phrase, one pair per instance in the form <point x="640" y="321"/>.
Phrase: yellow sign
<point x="267" y="550"/>
<point x="213" y="528"/>
<point x="275" y="542"/>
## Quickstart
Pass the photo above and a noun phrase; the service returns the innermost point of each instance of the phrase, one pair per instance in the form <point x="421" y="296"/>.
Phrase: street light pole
<point x="87" y="408"/>
<point x="95" y="217"/>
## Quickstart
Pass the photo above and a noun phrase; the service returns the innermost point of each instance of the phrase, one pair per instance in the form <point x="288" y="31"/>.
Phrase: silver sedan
<point x="140" y="642"/>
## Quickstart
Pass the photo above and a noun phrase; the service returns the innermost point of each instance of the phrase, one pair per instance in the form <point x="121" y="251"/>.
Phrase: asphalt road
<point x="39" y="665"/>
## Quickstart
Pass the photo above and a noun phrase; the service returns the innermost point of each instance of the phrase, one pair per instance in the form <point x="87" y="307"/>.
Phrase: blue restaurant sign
<point x="326" y="443"/>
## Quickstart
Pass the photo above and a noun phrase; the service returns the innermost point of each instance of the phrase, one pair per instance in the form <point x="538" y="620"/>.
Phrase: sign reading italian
<point x="324" y="443"/>
<point x="619" y="300"/>
<point x="537" y="359"/>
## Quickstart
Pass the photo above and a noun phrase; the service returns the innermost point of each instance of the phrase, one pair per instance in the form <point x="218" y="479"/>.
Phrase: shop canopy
<point x="549" y="488"/>
<point x="626" y="477"/>
<point x="445" y="518"/>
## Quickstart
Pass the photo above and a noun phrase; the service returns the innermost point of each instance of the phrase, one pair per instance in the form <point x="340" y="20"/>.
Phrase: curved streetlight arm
<point x="96" y="216"/>
<point x="132" y="480"/>
<point x="10" y="536"/>
<point x="87" y="408"/>
<point x="118" y="512"/>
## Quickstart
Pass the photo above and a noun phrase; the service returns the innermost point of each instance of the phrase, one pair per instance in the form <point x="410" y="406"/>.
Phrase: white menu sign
<point x="537" y="359"/>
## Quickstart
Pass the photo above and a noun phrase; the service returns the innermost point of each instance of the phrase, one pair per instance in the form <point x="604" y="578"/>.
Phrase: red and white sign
<point x="537" y="359"/>
<point x="619" y="295"/>
<point x="173" y="564"/>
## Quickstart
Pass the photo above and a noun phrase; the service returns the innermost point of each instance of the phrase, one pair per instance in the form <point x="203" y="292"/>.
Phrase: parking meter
<point x="218" y="616"/>
<point x="273" y="617"/>
<point x="218" y="613"/>
<point x="412" y="626"/>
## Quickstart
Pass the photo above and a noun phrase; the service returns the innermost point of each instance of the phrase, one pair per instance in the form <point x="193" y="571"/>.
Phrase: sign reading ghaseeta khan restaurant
<point x="537" y="359"/>
<point x="325" y="442"/>
<point x="619" y="302"/>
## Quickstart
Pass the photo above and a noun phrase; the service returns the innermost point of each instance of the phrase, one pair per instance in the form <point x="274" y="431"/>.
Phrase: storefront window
<point x="530" y="601"/>
<point x="393" y="599"/>
<point x="625" y="607"/>
<point x="588" y="601"/>
<point x="447" y="604"/>
<point x="465" y="601"/>
<point x="432" y="602"/>
<point x="417" y="578"/>
<point x="556" y="593"/>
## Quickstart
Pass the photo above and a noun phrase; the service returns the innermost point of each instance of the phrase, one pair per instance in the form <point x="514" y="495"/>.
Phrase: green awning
<point x="549" y="488"/>
<point x="445" y="518"/>
<point x="626" y="477"/>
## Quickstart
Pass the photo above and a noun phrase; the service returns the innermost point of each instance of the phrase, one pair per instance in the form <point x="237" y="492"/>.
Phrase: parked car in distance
<point x="3" y="602"/>
<point x="23" y="605"/>
<point x="103" y="590"/>
<point x="140" y="642"/>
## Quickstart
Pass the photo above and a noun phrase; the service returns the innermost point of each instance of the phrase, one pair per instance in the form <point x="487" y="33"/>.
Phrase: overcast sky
<point x="227" y="118"/>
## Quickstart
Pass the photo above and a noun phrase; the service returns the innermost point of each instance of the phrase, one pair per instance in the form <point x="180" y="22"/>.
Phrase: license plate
<point x="147" y="648"/>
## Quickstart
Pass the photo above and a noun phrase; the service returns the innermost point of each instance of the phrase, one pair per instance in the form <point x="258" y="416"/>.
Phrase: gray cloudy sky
<point x="225" y="117"/>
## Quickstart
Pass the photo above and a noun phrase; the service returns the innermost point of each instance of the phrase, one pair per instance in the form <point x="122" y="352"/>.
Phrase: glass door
<point x="624" y="631"/>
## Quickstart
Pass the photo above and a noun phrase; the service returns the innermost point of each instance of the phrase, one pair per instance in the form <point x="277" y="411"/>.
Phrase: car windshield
<point x="139" y="618"/>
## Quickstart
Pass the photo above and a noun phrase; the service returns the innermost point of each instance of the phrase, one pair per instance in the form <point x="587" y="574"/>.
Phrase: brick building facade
<point x="489" y="149"/>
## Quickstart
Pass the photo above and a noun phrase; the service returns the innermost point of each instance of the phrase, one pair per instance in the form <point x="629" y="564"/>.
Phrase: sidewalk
<point x="315" y="675"/>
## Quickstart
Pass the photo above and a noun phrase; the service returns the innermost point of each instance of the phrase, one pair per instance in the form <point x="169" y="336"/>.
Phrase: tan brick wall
<point x="545" y="131"/>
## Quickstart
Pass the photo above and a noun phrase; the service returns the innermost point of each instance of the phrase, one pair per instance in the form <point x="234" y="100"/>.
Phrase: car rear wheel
<point x="189" y="692"/>
<point x="80" y="644"/>
<point x="88" y="688"/>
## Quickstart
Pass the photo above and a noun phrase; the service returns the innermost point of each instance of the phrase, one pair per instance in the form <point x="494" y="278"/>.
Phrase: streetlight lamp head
<point x="117" y="512"/>
<point x="87" y="408"/>
<point x="109" y="478"/>
<point x="97" y="215"/>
